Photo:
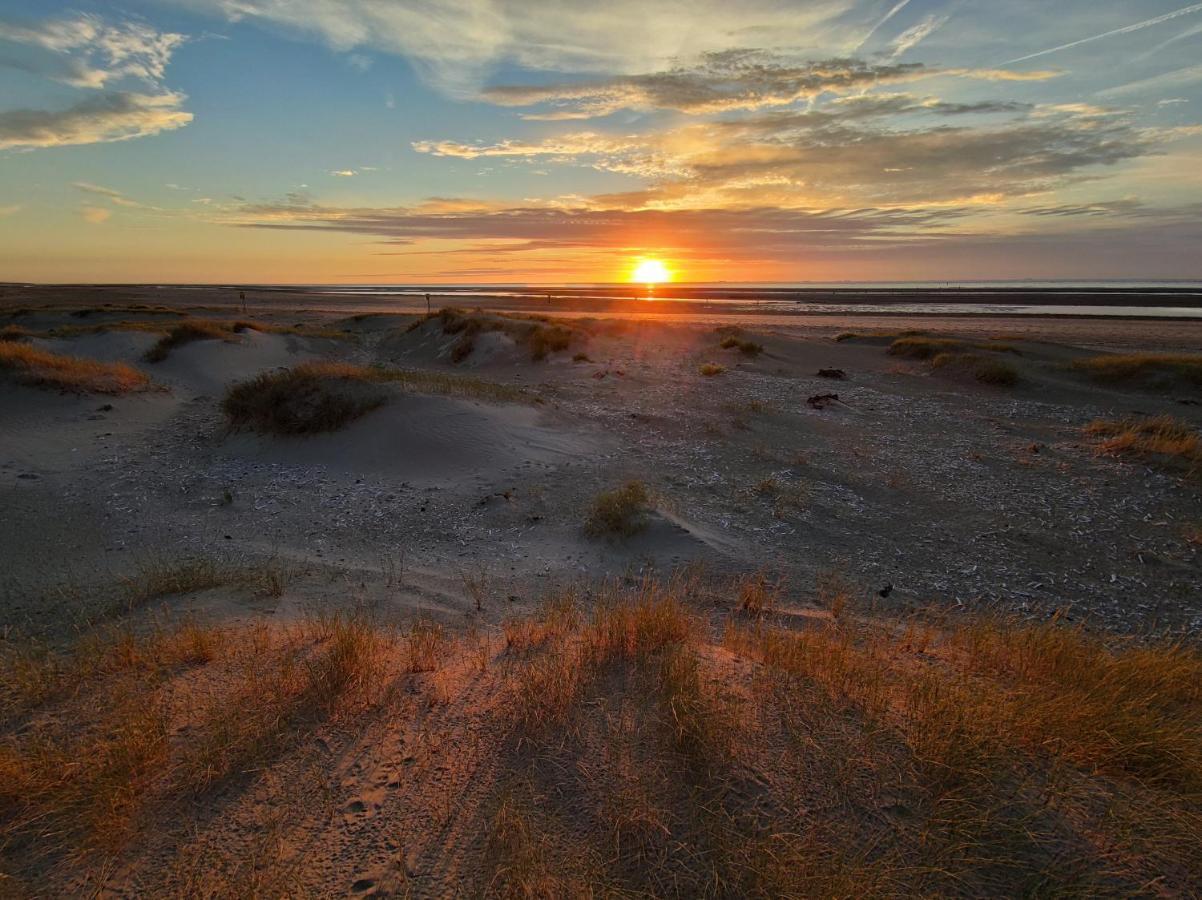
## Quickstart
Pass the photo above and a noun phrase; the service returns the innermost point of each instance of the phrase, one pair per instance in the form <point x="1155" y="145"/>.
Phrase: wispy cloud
<point x="88" y="52"/>
<point x="916" y="34"/>
<point x="893" y="11"/>
<point x="1126" y="29"/>
<point x="743" y="79"/>
<point x="98" y="119"/>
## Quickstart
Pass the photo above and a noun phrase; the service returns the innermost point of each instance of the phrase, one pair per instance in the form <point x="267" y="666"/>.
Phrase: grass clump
<point x="1130" y="366"/>
<point x="14" y="333"/>
<point x="916" y="347"/>
<point x="157" y="578"/>
<point x="537" y="334"/>
<point x="710" y="369"/>
<point x="186" y="333"/>
<point x="1161" y="438"/>
<point x="307" y="399"/>
<point x="746" y="347"/>
<point x="621" y="512"/>
<point x="41" y="368"/>
<point x="987" y="371"/>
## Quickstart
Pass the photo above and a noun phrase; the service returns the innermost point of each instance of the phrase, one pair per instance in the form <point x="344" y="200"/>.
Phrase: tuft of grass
<point x="581" y="357"/>
<point x="1162" y="437"/>
<point x="758" y="595"/>
<point x="307" y="399"/>
<point x="156" y="578"/>
<point x="710" y="369"/>
<point x="746" y="347"/>
<point x="15" y="333"/>
<point x="325" y="396"/>
<point x="917" y="347"/>
<point x="621" y="512"/>
<point x="987" y="371"/>
<point x="41" y="368"/>
<point x="1126" y="367"/>
<point x="538" y="334"/>
<point x="187" y="332"/>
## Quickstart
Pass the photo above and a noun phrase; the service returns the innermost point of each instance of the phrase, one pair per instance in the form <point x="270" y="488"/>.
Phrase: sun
<point x="651" y="271"/>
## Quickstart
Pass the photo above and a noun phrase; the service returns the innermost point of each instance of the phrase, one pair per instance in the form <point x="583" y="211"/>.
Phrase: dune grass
<point x="41" y="368"/>
<point x="978" y="758"/>
<point x="15" y="333"/>
<point x="186" y="333"/>
<point x="1131" y="366"/>
<point x="538" y="334"/>
<point x="621" y="512"/>
<point x="916" y="347"/>
<point x="1161" y="438"/>
<point x="987" y="371"/>
<point x="325" y="396"/>
<point x="307" y="399"/>
<point x="710" y="369"/>
<point x="631" y="740"/>
<point x="744" y="346"/>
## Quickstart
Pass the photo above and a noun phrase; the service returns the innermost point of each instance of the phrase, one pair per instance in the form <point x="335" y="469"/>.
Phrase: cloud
<point x="744" y="79"/>
<point x="863" y="150"/>
<point x="457" y="43"/>
<point x="95" y="215"/>
<point x="118" y="116"/>
<point x="87" y="52"/>
<point x="343" y="173"/>
<point x="916" y="34"/>
<point x="893" y="11"/>
<point x="1126" y="29"/>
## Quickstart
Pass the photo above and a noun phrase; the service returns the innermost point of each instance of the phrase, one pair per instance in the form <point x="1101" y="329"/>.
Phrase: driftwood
<point x="822" y="401"/>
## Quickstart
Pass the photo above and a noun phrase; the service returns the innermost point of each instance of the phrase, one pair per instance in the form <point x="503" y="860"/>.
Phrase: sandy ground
<point x="953" y="492"/>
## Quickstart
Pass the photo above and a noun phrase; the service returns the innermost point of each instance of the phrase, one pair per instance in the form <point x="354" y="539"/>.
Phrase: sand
<point x="958" y="495"/>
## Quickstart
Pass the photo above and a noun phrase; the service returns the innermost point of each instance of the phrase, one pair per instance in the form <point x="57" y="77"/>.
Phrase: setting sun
<point x="651" y="271"/>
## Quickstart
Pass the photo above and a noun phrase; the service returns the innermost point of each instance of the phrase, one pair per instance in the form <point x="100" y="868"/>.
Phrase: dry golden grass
<point x="710" y="369"/>
<point x="41" y="368"/>
<point x="1124" y="367"/>
<point x="85" y="767"/>
<point x="621" y="512"/>
<point x="1161" y="438"/>
<point x="186" y="333"/>
<point x="621" y="749"/>
<point x="14" y="333"/>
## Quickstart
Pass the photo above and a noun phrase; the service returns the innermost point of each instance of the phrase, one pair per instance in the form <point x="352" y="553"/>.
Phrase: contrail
<point x="889" y="15"/>
<point x="1126" y="29"/>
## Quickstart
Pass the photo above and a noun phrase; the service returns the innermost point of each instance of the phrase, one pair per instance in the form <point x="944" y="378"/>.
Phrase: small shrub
<point x="620" y="512"/>
<point x="581" y="358"/>
<point x="710" y="369"/>
<point x="41" y="368"/>
<point x="310" y="398"/>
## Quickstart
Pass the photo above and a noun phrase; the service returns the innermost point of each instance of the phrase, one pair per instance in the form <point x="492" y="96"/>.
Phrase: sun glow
<point x="651" y="271"/>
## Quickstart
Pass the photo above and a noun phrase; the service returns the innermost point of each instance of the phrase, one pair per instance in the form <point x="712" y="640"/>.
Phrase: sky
<point x="551" y="141"/>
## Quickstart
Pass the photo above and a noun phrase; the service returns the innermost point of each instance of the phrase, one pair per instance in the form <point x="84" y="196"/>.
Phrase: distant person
<point x="427" y="304"/>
